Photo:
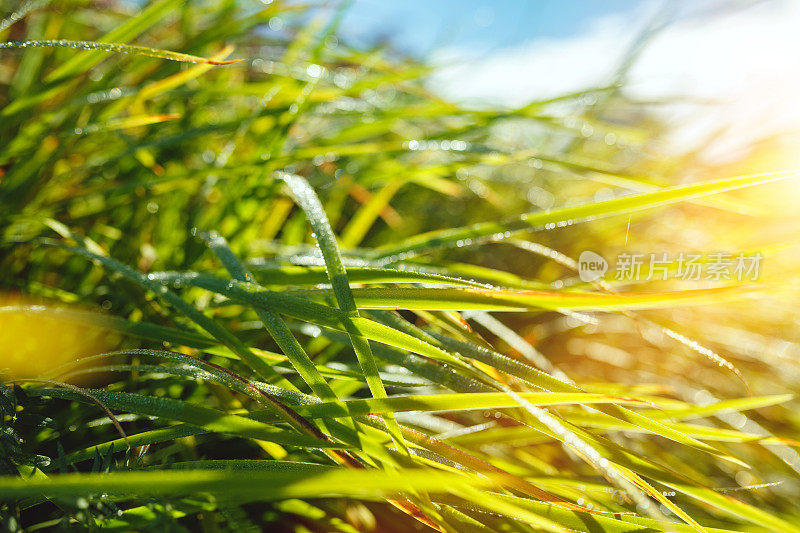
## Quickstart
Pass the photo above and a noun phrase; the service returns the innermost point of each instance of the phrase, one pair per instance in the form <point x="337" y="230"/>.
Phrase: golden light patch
<point x="36" y="338"/>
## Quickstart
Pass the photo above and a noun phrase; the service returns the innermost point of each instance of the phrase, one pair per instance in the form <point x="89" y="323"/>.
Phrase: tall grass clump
<point x="252" y="278"/>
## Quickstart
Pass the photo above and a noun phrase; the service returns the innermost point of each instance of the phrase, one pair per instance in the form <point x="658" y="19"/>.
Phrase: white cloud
<point x="746" y="59"/>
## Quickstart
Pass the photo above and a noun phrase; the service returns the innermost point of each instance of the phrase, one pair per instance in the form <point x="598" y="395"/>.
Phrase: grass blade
<point x="570" y="215"/>
<point x="307" y="199"/>
<point x="116" y="48"/>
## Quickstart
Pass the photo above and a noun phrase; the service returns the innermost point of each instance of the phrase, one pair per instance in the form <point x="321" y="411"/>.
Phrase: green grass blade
<point x="240" y="485"/>
<point x="123" y="33"/>
<point x="307" y="199"/>
<point x="454" y="402"/>
<point x="423" y="298"/>
<point x="195" y="415"/>
<point x="303" y="275"/>
<point x="143" y="438"/>
<point x="273" y="323"/>
<point x="116" y="48"/>
<point x="570" y="215"/>
<point x="215" y="330"/>
<point x="26" y="7"/>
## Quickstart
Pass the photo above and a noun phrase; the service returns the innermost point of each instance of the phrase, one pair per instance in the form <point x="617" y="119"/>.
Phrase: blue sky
<point x="741" y="54"/>
<point x="419" y="27"/>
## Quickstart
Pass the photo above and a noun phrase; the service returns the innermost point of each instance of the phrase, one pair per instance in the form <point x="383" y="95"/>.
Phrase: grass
<point x="259" y="279"/>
